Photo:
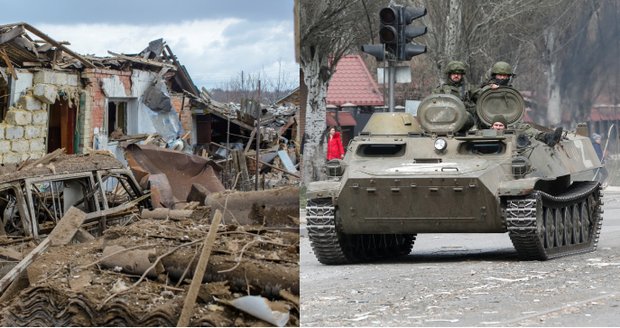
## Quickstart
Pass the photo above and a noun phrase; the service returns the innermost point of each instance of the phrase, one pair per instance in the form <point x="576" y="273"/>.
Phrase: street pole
<point x="257" y="139"/>
<point x="391" y="82"/>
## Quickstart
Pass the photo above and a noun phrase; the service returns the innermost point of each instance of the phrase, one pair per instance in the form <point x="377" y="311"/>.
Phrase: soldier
<point x="455" y="82"/>
<point x="501" y="76"/>
<point x="455" y="85"/>
<point x="499" y="123"/>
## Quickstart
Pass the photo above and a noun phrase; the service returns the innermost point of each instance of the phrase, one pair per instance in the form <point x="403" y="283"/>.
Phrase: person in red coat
<point x="334" y="145"/>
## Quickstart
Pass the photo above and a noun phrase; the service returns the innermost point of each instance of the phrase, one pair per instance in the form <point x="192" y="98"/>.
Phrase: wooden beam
<point x="117" y="209"/>
<point x="201" y="267"/>
<point x="67" y="227"/>
<point x="58" y="45"/>
<point x="23" y="264"/>
<point x="12" y="34"/>
<point x="43" y="160"/>
<point x="143" y="61"/>
<point x="274" y="167"/>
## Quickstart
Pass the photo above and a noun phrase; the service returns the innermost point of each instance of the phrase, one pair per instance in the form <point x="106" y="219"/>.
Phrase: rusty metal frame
<point x="21" y="206"/>
<point x="28" y="182"/>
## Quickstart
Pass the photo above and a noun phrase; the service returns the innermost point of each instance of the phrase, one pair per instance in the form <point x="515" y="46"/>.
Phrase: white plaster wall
<point x="140" y="81"/>
<point x="113" y="87"/>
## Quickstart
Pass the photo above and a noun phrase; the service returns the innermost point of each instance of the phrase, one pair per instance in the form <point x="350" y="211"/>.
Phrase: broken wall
<point x="129" y="86"/>
<point x="93" y="115"/>
<point x="185" y="113"/>
<point x="24" y="130"/>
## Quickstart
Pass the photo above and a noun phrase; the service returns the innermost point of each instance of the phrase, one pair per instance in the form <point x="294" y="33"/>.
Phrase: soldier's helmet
<point x="455" y="67"/>
<point x="501" y="68"/>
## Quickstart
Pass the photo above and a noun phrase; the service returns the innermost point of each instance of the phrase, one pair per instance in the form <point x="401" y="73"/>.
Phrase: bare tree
<point x="328" y="30"/>
<point x="533" y="36"/>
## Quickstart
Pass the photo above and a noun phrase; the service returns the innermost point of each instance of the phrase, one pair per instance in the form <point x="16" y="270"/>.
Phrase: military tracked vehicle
<point x="405" y="175"/>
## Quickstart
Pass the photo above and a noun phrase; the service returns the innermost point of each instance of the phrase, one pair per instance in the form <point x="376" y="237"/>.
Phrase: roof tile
<point x="352" y="83"/>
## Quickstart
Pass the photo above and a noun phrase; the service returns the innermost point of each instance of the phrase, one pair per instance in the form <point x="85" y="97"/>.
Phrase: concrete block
<point x="31" y="132"/>
<point x="11" y="158"/>
<point x="20" y="146"/>
<point x="39" y="117"/>
<point x="52" y="77"/>
<point x="2" y="127"/>
<point x="14" y="132"/>
<point x="26" y="156"/>
<point x="45" y="93"/>
<point x="29" y="102"/>
<point x="37" y="145"/>
<point x="18" y="117"/>
<point x="72" y="80"/>
<point x="5" y="146"/>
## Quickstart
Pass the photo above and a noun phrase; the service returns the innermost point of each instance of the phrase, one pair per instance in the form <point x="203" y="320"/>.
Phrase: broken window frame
<point x="120" y="105"/>
<point x="93" y="188"/>
<point x="29" y="185"/>
<point x="20" y="205"/>
<point x="102" y="176"/>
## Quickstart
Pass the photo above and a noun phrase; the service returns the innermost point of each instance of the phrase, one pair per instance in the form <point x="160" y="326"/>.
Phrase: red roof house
<point x="352" y="83"/>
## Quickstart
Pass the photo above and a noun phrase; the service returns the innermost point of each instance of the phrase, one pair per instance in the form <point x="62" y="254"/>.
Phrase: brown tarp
<point x="170" y="174"/>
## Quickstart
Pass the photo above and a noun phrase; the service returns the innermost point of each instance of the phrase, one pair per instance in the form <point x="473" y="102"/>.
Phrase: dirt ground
<point x="139" y="275"/>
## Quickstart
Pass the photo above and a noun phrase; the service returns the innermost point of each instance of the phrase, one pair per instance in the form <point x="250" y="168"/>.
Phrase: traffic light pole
<point x="391" y="83"/>
<point x="395" y="36"/>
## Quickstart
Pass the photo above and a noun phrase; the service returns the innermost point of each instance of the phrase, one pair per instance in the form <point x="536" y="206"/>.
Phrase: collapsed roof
<point x="23" y="46"/>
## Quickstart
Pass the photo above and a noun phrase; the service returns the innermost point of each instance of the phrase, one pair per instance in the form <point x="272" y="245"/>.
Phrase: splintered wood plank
<point x="67" y="227"/>
<point x="201" y="267"/>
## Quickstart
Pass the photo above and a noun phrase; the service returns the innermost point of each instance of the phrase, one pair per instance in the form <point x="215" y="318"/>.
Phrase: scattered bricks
<point x="37" y="145"/>
<point x="18" y="117"/>
<point x="39" y="117"/>
<point x="11" y="158"/>
<point x="32" y="132"/>
<point x="20" y="146"/>
<point x="14" y="132"/>
<point x="5" y="146"/>
<point x="51" y="77"/>
<point x="29" y="102"/>
<point x="46" y="93"/>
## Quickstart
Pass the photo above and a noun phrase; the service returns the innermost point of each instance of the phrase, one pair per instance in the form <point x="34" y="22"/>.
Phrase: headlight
<point x="334" y="167"/>
<point x="441" y="144"/>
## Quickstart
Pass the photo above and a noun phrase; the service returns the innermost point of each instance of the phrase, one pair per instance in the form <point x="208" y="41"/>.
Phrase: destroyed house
<point x="52" y="97"/>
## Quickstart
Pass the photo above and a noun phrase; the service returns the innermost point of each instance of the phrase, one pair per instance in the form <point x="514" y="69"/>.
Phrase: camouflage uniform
<point x="503" y="68"/>
<point x="460" y="89"/>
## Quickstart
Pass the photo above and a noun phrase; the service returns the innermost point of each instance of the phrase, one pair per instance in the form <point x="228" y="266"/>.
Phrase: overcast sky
<point x="214" y="39"/>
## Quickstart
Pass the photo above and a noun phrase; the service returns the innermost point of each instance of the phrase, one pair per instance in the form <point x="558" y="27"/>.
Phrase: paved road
<point x="468" y="280"/>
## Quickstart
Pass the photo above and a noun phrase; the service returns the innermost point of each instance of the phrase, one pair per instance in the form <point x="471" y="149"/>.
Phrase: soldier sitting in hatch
<point x="455" y="85"/>
<point x="501" y="76"/>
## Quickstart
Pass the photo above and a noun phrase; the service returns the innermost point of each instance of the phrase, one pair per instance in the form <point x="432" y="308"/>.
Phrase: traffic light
<point x="395" y="34"/>
<point x="376" y="50"/>
<point x="406" y="49"/>
<point x="388" y="29"/>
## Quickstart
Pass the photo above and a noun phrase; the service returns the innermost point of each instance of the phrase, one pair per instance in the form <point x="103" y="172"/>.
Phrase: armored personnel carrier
<point x="405" y="175"/>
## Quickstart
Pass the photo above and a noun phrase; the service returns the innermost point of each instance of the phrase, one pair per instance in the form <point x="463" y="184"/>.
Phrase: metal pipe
<point x="391" y="82"/>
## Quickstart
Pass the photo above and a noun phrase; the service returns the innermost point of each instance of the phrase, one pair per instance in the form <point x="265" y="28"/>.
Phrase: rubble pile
<point x="83" y="244"/>
<point x="138" y="275"/>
